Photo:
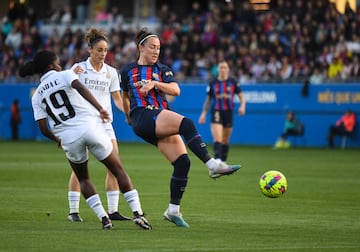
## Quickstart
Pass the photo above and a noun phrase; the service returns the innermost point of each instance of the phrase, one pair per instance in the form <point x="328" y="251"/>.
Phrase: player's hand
<point x="58" y="140"/>
<point x="149" y="84"/>
<point x="202" y="119"/>
<point x="78" y="70"/>
<point x="241" y="111"/>
<point x="104" y="115"/>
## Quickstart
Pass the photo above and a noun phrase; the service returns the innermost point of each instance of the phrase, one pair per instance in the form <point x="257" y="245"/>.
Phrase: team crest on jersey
<point x="155" y="76"/>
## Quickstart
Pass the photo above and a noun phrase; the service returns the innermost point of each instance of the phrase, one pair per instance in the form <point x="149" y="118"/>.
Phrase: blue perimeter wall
<point x="262" y="124"/>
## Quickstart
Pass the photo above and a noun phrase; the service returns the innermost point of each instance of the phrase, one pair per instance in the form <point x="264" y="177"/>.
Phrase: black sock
<point x="224" y="152"/>
<point x="217" y="150"/>
<point x="179" y="179"/>
<point x="193" y="139"/>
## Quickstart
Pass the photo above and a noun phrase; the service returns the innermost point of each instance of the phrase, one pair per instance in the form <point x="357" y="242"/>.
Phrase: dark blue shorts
<point x="223" y="117"/>
<point x="143" y="123"/>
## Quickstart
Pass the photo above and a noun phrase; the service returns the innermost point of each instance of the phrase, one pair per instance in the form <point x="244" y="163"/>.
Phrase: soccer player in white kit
<point x="103" y="82"/>
<point x="62" y="107"/>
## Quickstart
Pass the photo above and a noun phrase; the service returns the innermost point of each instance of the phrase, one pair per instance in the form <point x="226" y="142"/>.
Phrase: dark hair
<point x="142" y="35"/>
<point x="39" y="65"/>
<point x="94" y="35"/>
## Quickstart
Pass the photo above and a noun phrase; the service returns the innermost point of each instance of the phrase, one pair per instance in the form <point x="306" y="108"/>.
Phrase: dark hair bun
<point x="27" y="69"/>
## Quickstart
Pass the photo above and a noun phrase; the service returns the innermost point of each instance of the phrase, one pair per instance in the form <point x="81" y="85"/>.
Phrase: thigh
<point x="172" y="147"/>
<point x="167" y="123"/>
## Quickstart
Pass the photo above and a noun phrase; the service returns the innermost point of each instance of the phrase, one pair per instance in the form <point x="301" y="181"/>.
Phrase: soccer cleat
<point x="74" y="217"/>
<point x="223" y="169"/>
<point x="141" y="221"/>
<point x="118" y="216"/>
<point x="106" y="222"/>
<point x="175" y="218"/>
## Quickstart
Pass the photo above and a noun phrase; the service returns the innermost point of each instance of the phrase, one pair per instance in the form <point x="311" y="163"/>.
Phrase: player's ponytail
<point x="40" y="64"/>
<point x="27" y="69"/>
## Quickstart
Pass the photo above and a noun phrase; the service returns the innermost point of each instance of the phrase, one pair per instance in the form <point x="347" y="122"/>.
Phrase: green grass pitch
<point x="319" y="212"/>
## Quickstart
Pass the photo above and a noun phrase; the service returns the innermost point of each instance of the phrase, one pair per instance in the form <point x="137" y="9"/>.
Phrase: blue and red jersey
<point x="132" y="77"/>
<point x="222" y="94"/>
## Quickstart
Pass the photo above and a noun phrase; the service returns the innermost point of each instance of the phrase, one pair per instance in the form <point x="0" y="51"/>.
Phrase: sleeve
<point x="167" y="74"/>
<point x="237" y="86"/>
<point x="69" y="76"/>
<point x="123" y="78"/>
<point x="115" y="83"/>
<point x="209" y="90"/>
<point x="39" y="111"/>
<point x="74" y="66"/>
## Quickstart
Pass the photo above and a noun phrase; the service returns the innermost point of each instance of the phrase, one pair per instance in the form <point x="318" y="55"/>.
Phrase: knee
<point x="181" y="166"/>
<point x="186" y="126"/>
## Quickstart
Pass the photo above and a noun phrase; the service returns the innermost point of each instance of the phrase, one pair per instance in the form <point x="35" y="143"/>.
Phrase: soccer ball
<point x="273" y="184"/>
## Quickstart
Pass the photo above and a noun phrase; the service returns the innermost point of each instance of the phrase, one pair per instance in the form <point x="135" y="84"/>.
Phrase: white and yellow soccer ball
<point x="273" y="184"/>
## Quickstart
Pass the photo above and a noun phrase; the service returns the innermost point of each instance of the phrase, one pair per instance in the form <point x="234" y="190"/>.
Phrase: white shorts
<point x="95" y="140"/>
<point x="110" y="130"/>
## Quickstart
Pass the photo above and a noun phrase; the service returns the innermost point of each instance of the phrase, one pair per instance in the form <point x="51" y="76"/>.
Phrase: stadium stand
<point x="289" y="42"/>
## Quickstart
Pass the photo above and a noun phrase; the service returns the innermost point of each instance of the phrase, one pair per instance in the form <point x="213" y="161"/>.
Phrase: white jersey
<point x="69" y="115"/>
<point x="101" y="84"/>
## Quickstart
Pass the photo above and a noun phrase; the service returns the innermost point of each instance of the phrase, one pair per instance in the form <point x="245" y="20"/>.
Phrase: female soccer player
<point x="103" y="82"/>
<point x="145" y="84"/>
<point x="64" y="116"/>
<point x="220" y="95"/>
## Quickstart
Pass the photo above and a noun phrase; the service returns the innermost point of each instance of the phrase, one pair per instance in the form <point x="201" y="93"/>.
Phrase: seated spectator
<point x="316" y="77"/>
<point x="14" y="38"/>
<point x="335" y="68"/>
<point x="292" y="127"/>
<point x="345" y="125"/>
<point x="66" y="16"/>
<point x="286" y="68"/>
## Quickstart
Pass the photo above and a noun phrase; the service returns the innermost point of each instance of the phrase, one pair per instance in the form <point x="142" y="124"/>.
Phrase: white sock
<point x="95" y="204"/>
<point x="113" y="201"/>
<point x="132" y="197"/>
<point x="74" y="201"/>
<point x="174" y="208"/>
<point x="212" y="163"/>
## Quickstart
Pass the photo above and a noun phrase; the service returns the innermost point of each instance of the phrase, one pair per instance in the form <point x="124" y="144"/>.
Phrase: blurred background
<point x="300" y="55"/>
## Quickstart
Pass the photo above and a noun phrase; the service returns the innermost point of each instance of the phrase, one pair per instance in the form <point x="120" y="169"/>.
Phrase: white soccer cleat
<point x="223" y="169"/>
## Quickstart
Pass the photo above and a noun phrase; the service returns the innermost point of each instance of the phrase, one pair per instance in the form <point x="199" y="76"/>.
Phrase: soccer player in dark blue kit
<point x="221" y="92"/>
<point x="145" y="84"/>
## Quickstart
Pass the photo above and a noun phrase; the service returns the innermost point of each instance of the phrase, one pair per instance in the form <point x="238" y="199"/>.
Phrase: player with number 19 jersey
<point x="63" y="106"/>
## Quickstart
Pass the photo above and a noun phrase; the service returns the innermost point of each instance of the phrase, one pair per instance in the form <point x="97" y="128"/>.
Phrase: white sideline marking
<point x="244" y="249"/>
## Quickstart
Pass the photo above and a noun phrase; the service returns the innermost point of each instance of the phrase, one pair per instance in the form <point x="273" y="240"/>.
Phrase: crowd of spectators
<point x="293" y="41"/>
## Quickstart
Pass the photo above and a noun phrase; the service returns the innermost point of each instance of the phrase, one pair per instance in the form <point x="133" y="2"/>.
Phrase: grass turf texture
<point x="319" y="212"/>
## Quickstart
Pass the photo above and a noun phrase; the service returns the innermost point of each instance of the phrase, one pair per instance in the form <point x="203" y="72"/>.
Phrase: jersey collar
<point x="47" y="74"/>
<point x="90" y="67"/>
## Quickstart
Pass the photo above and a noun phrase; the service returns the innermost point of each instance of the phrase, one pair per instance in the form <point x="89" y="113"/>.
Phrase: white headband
<point x="148" y="36"/>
